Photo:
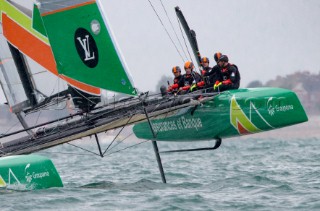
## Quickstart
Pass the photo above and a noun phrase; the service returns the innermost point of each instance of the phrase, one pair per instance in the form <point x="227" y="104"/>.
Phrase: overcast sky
<point x="265" y="38"/>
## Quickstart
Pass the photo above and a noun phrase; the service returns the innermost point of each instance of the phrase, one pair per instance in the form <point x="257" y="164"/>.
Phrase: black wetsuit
<point x="206" y="71"/>
<point x="177" y="80"/>
<point x="214" y="74"/>
<point x="230" y="74"/>
<point x="189" y="79"/>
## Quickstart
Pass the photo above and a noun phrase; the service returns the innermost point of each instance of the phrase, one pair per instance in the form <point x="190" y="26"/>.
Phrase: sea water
<point x="277" y="171"/>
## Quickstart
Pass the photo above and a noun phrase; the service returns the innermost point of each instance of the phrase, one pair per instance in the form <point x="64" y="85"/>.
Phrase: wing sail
<point x="24" y="43"/>
<point x="83" y="45"/>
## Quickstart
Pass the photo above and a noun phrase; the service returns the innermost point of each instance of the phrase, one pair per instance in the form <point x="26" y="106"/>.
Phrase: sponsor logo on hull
<point x="273" y="109"/>
<point x="2" y="183"/>
<point x="180" y="124"/>
<point x="239" y="120"/>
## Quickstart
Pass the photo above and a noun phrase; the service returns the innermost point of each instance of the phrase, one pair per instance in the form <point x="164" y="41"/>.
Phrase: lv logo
<point x="86" y="47"/>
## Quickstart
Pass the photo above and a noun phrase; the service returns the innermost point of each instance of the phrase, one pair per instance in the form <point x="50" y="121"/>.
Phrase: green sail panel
<point x="83" y="45"/>
<point x="37" y="23"/>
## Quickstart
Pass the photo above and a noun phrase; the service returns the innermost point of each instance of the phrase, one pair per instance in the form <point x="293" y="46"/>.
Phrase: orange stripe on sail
<point x="68" y="8"/>
<point x="29" y="44"/>
<point x="81" y="86"/>
<point x="37" y="50"/>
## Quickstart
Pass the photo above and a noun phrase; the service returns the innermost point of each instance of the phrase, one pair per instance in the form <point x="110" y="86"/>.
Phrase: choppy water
<point x="245" y="174"/>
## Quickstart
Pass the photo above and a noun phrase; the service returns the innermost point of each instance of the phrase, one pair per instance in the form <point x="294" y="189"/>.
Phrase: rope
<point x="187" y="46"/>
<point x="117" y="135"/>
<point x="81" y="94"/>
<point x="128" y="147"/>
<point x="174" y="30"/>
<point x="184" y="40"/>
<point x="83" y="149"/>
<point x="15" y="124"/>
<point x="120" y="142"/>
<point x="166" y="31"/>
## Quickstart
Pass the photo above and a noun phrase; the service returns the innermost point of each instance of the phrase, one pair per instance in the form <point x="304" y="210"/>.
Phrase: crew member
<point x="177" y="81"/>
<point x="210" y="74"/>
<point x="217" y="56"/>
<point x="191" y="79"/>
<point x="213" y="75"/>
<point x="228" y="75"/>
<point x="205" y="66"/>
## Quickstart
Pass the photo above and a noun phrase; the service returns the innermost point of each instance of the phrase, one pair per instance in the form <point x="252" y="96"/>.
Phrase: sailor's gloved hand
<point x="216" y="85"/>
<point x="185" y="88"/>
<point x="203" y="72"/>
<point x="172" y="87"/>
<point x="201" y="84"/>
<point x="193" y="87"/>
<point x="227" y="82"/>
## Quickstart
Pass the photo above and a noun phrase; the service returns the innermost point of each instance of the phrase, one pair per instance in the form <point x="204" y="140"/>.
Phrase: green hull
<point x="28" y="172"/>
<point x="229" y="114"/>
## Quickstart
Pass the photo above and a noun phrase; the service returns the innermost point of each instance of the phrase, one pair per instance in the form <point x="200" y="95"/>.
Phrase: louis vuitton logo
<point x="86" y="47"/>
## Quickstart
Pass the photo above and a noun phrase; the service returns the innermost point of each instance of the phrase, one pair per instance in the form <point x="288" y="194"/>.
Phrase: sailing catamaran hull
<point x="229" y="114"/>
<point x="28" y="172"/>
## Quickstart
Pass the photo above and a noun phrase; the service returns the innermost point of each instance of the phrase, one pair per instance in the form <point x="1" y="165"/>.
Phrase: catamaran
<point x="72" y="41"/>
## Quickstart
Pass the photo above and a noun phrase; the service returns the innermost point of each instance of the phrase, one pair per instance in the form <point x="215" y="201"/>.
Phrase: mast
<point x="23" y="73"/>
<point x="190" y="34"/>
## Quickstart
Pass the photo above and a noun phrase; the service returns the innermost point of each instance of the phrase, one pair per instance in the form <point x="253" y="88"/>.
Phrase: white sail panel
<point x="44" y="81"/>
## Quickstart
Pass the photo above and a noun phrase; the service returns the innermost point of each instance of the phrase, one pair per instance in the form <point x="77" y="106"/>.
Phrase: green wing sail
<point x="83" y="46"/>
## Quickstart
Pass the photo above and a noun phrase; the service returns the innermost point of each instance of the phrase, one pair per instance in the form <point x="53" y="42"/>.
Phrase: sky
<point x="264" y="38"/>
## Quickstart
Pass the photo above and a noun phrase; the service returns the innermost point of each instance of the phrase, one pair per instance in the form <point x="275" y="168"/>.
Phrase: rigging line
<point x="166" y="30"/>
<point x="46" y="106"/>
<point x="15" y="124"/>
<point x="55" y="84"/>
<point x="40" y="125"/>
<point x="46" y="100"/>
<point x="187" y="47"/>
<point x="83" y="149"/>
<point x="118" y="134"/>
<point x="82" y="95"/>
<point x="44" y="71"/>
<point x="120" y="142"/>
<point x="174" y="30"/>
<point x="50" y="103"/>
<point x="184" y="40"/>
<point x="32" y="144"/>
<point x="38" y="118"/>
<point x="128" y="147"/>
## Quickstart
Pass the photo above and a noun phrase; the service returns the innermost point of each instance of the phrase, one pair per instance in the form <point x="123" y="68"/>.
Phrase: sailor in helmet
<point x="205" y="66"/>
<point x="177" y="81"/>
<point x="228" y="75"/>
<point x="210" y="74"/>
<point x="191" y="79"/>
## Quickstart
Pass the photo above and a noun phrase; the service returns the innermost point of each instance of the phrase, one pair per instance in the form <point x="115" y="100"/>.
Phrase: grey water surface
<point x="243" y="174"/>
